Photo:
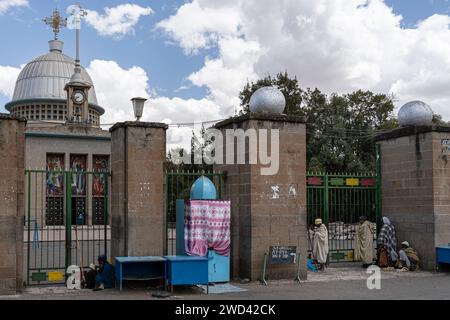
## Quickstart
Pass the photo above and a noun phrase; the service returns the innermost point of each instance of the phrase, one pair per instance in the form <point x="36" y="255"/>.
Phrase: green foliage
<point x="437" y="120"/>
<point x="340" y="128"/>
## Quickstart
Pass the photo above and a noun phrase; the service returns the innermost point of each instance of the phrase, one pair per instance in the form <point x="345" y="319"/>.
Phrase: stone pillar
<point x="415" y="173"/>
<point x="260" y="218"/>
<point x="138" y="152"/>
<point x="12" y="146"/>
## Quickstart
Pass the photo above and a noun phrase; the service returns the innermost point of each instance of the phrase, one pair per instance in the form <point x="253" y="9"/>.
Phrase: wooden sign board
<point x="282" y="254"/>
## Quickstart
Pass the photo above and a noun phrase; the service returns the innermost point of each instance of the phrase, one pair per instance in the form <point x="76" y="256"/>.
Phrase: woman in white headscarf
<point x="320" y="249"/>
<point x="387" y="238"/>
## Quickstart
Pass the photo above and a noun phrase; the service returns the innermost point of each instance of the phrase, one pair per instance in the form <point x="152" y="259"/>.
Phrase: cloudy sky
<point x="191" y="58"/>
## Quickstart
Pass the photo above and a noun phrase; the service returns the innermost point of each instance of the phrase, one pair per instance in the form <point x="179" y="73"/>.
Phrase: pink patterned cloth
<point x="207" y="225"/>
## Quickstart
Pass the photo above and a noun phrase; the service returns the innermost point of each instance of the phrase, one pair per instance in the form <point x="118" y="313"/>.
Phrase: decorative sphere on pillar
<point x="267" y="100"/>
<point x="415" y="113"/>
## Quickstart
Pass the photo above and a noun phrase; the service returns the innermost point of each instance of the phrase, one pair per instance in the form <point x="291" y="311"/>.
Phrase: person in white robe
<point x="364" y="250"/>
<point x="320" y="250"/>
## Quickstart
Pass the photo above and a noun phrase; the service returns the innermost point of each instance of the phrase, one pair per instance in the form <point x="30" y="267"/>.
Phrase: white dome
<point x="46" y="76"/>
<point x="415" y="113"/>
<point x="267" y="100"/>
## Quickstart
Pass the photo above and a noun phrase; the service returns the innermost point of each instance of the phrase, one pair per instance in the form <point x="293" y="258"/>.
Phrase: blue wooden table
<point x="442" y="256"/>
<point x="187" y="270"/>
<point x="140" y="268"/>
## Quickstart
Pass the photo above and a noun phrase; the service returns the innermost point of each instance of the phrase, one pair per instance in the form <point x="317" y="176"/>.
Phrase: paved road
<point x="335" y="283"/>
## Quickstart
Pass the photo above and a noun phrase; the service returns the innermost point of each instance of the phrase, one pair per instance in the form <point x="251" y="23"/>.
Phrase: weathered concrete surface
<point x="336" y="284"/>
<point x="138" y="151"/>
<point x="416" y="188"/>
<point x="259" y="219"/>
<point x="11" y="198"/>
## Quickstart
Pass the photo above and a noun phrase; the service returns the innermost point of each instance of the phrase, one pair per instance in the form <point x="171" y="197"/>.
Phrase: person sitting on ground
<point x="320" y="249"/>
<point x="364" y="241"/>
<point x="89" y="277"/>
<point x="105" y="278"/>
<point x="387" y="244"/>
<point x="408" y="259"/>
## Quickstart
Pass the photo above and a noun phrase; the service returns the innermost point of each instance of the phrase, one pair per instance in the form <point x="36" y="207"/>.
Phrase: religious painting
<point x="78" y="168"/>
<point x="100" y="165"/>
<point x="55" y="177"/>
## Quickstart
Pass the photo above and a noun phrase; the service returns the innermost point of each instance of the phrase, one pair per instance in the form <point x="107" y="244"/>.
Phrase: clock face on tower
<point x="78" y="97"/>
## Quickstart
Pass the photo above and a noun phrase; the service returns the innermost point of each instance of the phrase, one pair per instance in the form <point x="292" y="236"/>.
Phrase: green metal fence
<point x="178" y="186"/>
<point x="66" y="222"/>
<point x="339" y="200"/>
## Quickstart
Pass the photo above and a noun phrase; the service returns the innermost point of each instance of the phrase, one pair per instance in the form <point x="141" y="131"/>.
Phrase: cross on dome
<point x="56" y="22"/>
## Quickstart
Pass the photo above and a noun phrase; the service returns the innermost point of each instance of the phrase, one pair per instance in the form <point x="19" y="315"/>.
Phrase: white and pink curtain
<point x="207" y="226"/>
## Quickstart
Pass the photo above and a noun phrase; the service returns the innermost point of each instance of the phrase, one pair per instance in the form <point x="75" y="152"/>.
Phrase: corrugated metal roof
<point x="46" y="76"/>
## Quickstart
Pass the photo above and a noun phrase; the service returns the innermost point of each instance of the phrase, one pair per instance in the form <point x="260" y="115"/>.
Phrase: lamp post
<point x="138" y="107"/>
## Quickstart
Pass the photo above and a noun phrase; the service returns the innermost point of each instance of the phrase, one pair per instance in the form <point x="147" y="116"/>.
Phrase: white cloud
<point x="117" y="21"/>
<point x="115" y="86"/>
<point x="337" y="46"/>
<point x="196" y="26"/>
<point x="8" y="77"/>
<point x="5" y="5"/>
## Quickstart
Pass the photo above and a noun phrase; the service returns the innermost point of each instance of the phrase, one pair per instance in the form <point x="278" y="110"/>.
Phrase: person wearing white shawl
<point x="320" y="249"/>
<point x="364" y="241"/>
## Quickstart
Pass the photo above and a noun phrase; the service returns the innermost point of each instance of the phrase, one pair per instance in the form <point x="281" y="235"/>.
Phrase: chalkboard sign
<point x="282" y="255"/>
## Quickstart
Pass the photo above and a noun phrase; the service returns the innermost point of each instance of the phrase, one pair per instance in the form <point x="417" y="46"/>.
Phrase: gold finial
<point x="56" y="22"/>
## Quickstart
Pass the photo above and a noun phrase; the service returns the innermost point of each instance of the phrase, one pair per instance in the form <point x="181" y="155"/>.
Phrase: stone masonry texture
<point x="12" y="139"/>
<point x="138" y="152"/>
<point x="415" y="172"/>
<point x="258" y="219"/>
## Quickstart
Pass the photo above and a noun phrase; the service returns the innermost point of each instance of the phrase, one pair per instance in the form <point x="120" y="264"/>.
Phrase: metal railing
<point x="178" y="187"/>
<point x="339" y="199"/>
<point x="66" y="222"/>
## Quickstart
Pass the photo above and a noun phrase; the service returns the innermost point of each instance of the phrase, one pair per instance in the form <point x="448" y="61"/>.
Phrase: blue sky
<point x="227" y="54"/>
<point x="166" y="64"/>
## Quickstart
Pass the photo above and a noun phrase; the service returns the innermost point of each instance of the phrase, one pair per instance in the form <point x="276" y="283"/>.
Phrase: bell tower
<point x="77" y="98"/>
<point x="77" y="88"/>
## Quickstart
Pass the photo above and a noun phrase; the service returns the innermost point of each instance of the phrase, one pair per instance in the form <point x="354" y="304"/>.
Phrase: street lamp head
<point x="138" y="107"/>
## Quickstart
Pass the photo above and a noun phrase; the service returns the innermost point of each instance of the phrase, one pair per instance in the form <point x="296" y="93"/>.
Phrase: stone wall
<point x="416" y="188"/>
<point x="259" y="219"/>
<point x="11" y="210"/>
<point x="138" y="151"/>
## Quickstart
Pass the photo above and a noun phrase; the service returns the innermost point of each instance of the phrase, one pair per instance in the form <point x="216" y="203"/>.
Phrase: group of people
<point x="406" y="259"/>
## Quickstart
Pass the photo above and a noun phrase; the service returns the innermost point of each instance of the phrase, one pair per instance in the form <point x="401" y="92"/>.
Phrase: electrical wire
<point x="332" y="132"/>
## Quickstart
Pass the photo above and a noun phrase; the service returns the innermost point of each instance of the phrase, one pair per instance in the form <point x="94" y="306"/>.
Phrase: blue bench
<point x="140" y="268"/>
<point x="442" y="256"/>
<point x="187" y="270"/>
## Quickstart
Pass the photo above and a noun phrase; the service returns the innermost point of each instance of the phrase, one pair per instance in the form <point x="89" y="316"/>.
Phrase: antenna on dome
<point x="74" y="22"/>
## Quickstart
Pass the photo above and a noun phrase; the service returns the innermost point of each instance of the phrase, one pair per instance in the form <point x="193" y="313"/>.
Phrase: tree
<point x="340" y="128"/>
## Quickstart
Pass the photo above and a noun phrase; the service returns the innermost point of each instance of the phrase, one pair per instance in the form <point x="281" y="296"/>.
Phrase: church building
<point x="57" y="97"/>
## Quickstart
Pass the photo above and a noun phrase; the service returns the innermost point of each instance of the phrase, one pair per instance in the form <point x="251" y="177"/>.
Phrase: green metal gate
<point x="339" y="200"/>
<point x="66" y="222"/>
<point x="178" y="186"/>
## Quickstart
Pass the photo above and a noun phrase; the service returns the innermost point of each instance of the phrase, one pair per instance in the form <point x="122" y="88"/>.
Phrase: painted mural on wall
<point x="78" y="167"/>
<point x="55" y="178"/>
<point x="99" y="164"/>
